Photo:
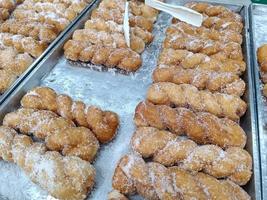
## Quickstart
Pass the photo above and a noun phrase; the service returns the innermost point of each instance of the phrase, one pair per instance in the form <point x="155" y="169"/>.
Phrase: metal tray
<point x="258" y="21"/>
<point x="37" y="60"/>
<point x="112" y="90"/>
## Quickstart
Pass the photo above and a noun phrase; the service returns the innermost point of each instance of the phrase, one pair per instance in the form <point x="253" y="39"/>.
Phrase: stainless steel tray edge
<point x="259" y="104"/>
<point x="253" y="111"/>
<point x="48" y="49"/>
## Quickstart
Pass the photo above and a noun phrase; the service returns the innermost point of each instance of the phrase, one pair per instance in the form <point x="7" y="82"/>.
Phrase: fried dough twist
<point x="184" y="95"/>
<point x="68" y="177"/>
<point x="60" y="23"/>
<point x="153" y="181"/>
<point x="104" y="124"/>
<point x="59" y="133"/>
<point x="122" y="58"/>
<point x="208" y="47"/>
<point x="204" y="33"/>
<point x="23" y="44"/>
<point x="189" y="60"/>
<point x="168" y="149"/>
<point x="113" y="27"/>
<point x="203" y="128"/>
<point x="59" y="8"/>
<point x="223" y="82"/>
<point x="218" y="17"/>
<point x="214" y="10"/>
<point x="137" y="8"/>
<point x="106" y="39"/>
<point x="116" y="16"/>
<point x="38" y="31"/>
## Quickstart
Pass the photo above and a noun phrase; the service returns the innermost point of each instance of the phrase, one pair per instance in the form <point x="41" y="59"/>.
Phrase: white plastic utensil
<point x="126" y="26"/>
<point x="180" y="12"/>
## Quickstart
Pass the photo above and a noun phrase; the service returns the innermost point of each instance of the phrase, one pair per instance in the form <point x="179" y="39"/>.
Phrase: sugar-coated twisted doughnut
<point x="60" y="23"/>
<point x="205" y="33"/>
<point x="59" y="133"/>
<point x="113" y="27"/>
<point x="168" y="149"/>
<point x="106" y="39"/>
<point x="43" y="32"/>
<point x="23" y="44"/>
<point x="104" y="124"/>
<point x="184" y="95"/>
<point x="205" y="46"/>
<point x="153" y="181"/>
<point x="64" y="177"/>
<point x="122" y="58"/>
<point x="136" y="8"/>
<point x="203" y="128"/>
<point x="189" y="60"/>
<point x="116" y="16"/>
<point x="224" y="82"/>
<point x="214" y="10"/>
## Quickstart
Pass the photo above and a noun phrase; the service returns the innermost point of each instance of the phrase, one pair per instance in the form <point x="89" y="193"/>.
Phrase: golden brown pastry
<point x="153" y="181"/>
<point x="50" y="18"/>
<point x="122" y="58"/>
<point x="218" y="17"/>
<point x="23" y="44"/>
<point x="168" y="149"/>
<point x="39" y="31"/>
<point x="106" y="39"/>
<point x="189" y="60"/>
<point x="104" y="124"/>
<point x="184" y="95"/>
<point x="64" y="177"/>
<point x="203" y="128"/>
<point x="223" y="82"/>
<point x="113" y="27"/>
<point x="59" y="133"/>
<point x="116" y="16"/>
<point x="208" y="47"/>
<point x="136" y="8"/>
<point x="205" y="33"/>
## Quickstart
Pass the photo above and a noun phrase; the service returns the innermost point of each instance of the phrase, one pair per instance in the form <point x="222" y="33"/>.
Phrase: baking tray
<point x="258" y="24"/>
<point x="37" y="60"/>
<point x="113" y="90"/>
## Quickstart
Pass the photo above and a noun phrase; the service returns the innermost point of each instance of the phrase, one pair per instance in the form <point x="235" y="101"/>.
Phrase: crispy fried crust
<point x="223" y="82"/>
<point x="224" y="36"/>
<point x="153" y="181"/>
<point x="169" y="149"/>
<point x="59" y="133"/>
<point x="64" y="177"/>
<point x="184" y="95"/>
<point x="203" y="128"/>
<point x="189" y="60"/>
<point x="104" y="124"/>
<point x="208" y="47"/>
<point x="122" y="58"/>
